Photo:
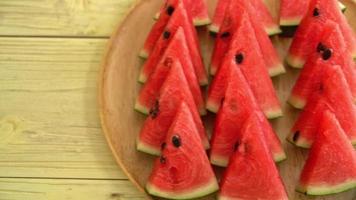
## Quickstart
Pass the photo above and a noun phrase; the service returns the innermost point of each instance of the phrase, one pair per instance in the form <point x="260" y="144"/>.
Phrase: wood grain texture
<point x="52" y="189"/>
<point x="118" y="91"/>
<point x="49" y="125"/>
<point x="79" y="18"/>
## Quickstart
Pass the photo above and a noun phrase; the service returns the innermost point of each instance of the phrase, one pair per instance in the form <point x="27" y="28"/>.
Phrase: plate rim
<point x="101" y="96"/>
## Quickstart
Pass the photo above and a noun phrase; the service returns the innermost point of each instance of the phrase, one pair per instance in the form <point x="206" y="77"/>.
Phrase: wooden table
<point x="51" y="142"/>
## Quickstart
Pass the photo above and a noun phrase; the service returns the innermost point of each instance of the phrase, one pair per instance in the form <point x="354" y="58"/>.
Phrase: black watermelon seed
<point x="316" y="12"/>
<point x="176" y="141"/>
<point x="154" y="110"/>
<point x="239" y="58"/>
<point x="326" y="54"/>
<point x="162" y="159"/>
<point x="321" y="47"/>
<point x="296" y="136"/>
<point x="170" y="10"/>
<point x="166" y="34"/>
<point x="225" y="35"/>
<point x="236" y="146"/>
<point x="163" y="145"/>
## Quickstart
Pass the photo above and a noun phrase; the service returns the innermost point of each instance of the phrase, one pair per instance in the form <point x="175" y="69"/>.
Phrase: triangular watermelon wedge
<point x="179" y="18"/>
<point x="238" y="103"/>
<point x="334" y="95"/>
<point x="197" y="9"/>
<point x="245" y="55"/>
<point x="259" y="11"/>
<point x="331" y="164"/>
<point x="251" y="173"/>
<point x="176" y="50"/>
<point x="308" y="33"/>
<point x="183" y="171"/>
<point x="229" y="27"/>
<point x="331" y="50"/>
<point x="174" y="90"/>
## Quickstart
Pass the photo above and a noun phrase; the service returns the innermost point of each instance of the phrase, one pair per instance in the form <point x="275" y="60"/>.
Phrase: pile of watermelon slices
<point x="242" y="95"/>
<point x="324" y="46"/>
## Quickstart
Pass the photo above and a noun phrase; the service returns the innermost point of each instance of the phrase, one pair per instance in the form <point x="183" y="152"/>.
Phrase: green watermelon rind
<point x="140" y="108"/>
<point x="327" y="189"/>
<point x="301" y="142"/>
<point x="214" y="28"/>
<point x="146" y="148"/>
<point x="222" y="161"/>
<point x="144" y="110"/>
<point x="294" y="61"/>
<point x="149" y="149"/>
<point x="276" y="70"/>
<point x="270" y="114"/>
<point x="211" y="187"/>
<point x="196" y="21"/>
<point x="296" y="101"/>
<point x="143" y="54"/>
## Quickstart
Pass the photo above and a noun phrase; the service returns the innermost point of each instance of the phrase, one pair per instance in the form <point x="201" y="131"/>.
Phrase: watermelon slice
<point x="259" y="11"/>
<point x="269" y="53"/>
<point x="335" y="95"/>
<point x="174" y="90"/>
<point x="251" y="161"/>
<point x="331" y="165"/>
<point x="198" y="10"/>
<point x="292" y="11"/>
<point x="308" y="34"/>
<point x="238" y="103"/>
<point x="176" y="49"/>
<point x="331" y="41"/>
<point x="245" y="55"/>
<point x="183" y="171"/>
<point x="179" y="18"/>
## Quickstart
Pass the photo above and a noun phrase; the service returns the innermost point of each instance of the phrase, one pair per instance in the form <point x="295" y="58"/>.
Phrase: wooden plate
<point x="118" y="90"/>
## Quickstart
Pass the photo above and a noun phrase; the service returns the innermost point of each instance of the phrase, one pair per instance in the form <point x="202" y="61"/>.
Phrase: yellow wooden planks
<point x="50" y="189"/>
<point x="49" y="124"/>
<point x="61" y="17"/>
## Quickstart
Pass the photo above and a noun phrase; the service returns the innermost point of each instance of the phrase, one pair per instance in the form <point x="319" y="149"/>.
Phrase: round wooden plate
<point x="119" y="88"/>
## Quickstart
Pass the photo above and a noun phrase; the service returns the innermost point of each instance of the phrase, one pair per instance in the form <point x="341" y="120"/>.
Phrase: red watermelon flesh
<point x="176" y="50"/>
<point x="331" y="164"/>
<point x="183" y="170"/>
<point x="311" y="73"/>
<point x="179" y="18"/>
<point x="251" y="173"/>
<point x="174" y="90"/>
<point x="308" y="33"/>
<point x="334" y="95"/>
<point x="247" y="57"/>
<point x="157" y="30"/>
<point x="292" y="11"/>
<point x="230" y="24"/>
<point x="219" y="14"/>
<point x="238" y="103"/>
<point x="197" y="9"/>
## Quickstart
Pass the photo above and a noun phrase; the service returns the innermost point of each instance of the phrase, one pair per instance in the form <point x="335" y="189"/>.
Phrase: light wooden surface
<point x="51" y="143"/>
<point x="118" y="91"/>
